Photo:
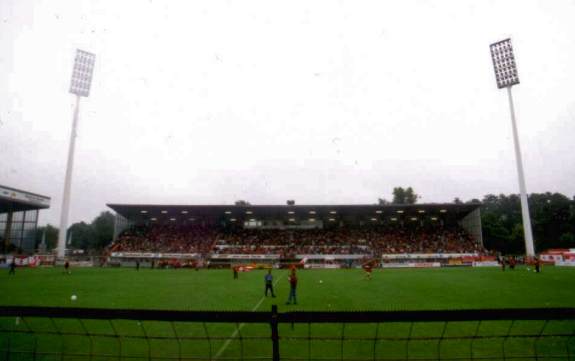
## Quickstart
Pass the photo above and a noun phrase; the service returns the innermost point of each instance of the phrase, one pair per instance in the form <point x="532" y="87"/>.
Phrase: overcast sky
<point x="207" y="102"/>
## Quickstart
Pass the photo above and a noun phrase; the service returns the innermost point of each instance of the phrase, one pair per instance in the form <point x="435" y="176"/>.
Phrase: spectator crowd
<point x="165" y="239"/>
<point x="369" y="241"/>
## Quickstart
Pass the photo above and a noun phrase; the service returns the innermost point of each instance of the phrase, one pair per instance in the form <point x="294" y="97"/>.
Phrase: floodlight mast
<point x="80" y="86"/>
<point x="506" y="76"/>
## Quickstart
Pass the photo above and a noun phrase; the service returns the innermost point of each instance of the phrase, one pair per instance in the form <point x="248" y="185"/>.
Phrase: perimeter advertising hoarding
<point x="427" y="255"/>
<point x="153" y="255"/>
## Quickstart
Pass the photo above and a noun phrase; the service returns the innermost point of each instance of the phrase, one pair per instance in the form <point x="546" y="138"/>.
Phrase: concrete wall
<point x="471" y="223"/>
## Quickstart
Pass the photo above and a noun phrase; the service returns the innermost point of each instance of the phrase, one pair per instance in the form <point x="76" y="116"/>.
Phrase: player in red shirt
<point x="512" y="263"/>
<point x="293" y="286"/>
<point x="537" y="264"/>
<point x="368" y="268"/>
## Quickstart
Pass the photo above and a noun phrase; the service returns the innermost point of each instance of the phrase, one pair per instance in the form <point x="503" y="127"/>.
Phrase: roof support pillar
<point x="7" y="232"/>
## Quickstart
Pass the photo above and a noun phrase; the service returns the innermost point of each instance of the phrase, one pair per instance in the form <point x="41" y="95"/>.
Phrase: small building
<point x="19" y="218"/>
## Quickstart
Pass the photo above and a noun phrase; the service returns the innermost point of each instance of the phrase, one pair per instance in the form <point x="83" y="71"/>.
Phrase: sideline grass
<point x="398" y="289"/>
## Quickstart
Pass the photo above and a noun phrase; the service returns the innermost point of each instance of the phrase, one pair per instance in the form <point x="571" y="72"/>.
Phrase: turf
<point x="390" y="289"/>
<point x="397" y="289"/>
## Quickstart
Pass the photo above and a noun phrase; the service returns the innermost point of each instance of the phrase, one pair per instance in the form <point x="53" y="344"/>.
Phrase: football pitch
<point x="318" y="290"/>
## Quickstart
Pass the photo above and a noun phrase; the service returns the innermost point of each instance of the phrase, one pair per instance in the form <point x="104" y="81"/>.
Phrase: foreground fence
<point x="44" y="333"/>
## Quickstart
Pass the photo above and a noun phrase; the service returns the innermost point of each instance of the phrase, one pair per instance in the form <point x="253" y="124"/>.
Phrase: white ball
<point x="528" y="269"/>
<point x="74" y="297"/>
<point x="320" y="281"/>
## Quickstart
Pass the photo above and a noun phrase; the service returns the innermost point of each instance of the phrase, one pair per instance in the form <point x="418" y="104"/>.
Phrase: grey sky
<point x="206" y="102"/>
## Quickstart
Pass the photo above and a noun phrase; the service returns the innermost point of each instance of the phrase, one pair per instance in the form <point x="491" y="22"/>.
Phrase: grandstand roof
<point x="15" y="200"/>
<point x="142" y="212"/>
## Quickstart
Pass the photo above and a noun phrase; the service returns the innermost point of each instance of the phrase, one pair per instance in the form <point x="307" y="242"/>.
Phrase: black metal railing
<point x="47" y="333"/>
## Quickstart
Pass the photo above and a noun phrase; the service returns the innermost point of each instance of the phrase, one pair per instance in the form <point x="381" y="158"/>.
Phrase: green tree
<point x="96" y="235"/>
<point x="103" y="228"/>
<point x="51" y="236"/>
<point x="473" y="201"/>
<point x="517" y="239"/>
<point x="82" y="235"/>
<point x="499" y="216"/>
<point x="567" y="240"/>
<point x="495" y="235"/>
<point x="410" y="196"/>
<point x="404" y="196"/>
<point x="552" y="218"/>
<point x="242" y="203"/>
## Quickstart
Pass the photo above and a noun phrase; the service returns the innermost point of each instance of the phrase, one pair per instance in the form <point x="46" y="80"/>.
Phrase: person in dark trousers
<point x="137" y="265"/>
<point x="12" y="267"/>
<point x="293" y="287"/>
<point x="368" y="268"/>
<point x="502" y="261"/>
<point x="269" y="283"/>
<point x="537" y="265"/>
<point x="512" y="263"/>
<point x="67" y="267"/>
<point x="235" y="268"/>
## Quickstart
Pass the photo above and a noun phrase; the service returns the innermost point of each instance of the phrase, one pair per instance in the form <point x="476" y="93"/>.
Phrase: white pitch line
<point x="235" y="333"/>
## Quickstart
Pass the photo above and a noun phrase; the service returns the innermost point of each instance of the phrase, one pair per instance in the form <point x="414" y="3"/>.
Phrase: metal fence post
<point x="275" y="334"/>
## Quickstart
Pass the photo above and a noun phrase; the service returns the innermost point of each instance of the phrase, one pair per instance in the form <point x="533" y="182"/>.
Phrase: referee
<point x="269" y="283"/>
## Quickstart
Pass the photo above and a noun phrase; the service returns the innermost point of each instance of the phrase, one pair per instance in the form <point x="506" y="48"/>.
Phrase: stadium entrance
<point x="329" y="236"/>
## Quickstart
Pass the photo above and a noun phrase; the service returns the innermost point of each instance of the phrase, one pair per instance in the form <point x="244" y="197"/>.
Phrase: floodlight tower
<point x="80" y="86"/>
<point x="506" y="76"/>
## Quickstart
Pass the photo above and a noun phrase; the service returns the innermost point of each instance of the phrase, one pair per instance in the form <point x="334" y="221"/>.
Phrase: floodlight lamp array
<point x="504" y="64"/>
<point x="82" y="73"/>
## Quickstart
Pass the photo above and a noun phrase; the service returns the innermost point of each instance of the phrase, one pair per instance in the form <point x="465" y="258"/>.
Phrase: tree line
<point x="95" y="235"/>
<point x="552" y="220"/>
<point x="552" y="217"/>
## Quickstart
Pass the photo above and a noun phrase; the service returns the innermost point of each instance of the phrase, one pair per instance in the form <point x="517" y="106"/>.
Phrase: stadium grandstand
<point x="19" y="219"/>
<point x="328" y="236"/>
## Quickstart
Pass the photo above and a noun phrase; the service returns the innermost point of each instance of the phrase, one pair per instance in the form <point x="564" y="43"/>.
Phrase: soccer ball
<point x="528" y="269"/>
<point x="320" y="281"/>
<point x="74" y="298"/>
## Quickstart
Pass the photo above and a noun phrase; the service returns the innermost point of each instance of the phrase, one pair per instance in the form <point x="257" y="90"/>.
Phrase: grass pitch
<point x="389" y="289"/>
<point x="397" y="289"/>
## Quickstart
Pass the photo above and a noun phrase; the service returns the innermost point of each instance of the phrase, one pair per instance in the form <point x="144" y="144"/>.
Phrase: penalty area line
<point x="238" y="329"/>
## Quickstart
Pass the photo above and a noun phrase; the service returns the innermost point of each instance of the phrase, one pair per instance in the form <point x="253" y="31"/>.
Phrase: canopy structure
<point x="180" y="213"/>
<point x="19" y="218"/>
<point x="467" y="215"/>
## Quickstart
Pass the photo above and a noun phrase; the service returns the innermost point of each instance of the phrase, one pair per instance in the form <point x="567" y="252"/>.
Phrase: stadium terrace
<point x="329" y="236"/>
